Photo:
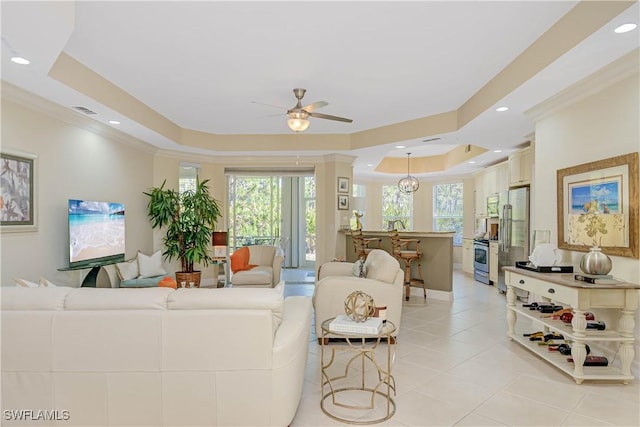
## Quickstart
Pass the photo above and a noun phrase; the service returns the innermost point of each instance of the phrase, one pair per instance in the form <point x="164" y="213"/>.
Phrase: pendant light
<point x="408" y="184"/>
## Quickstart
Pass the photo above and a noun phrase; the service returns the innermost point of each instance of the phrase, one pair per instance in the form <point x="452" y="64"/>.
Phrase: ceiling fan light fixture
<point x="408" y="184"/>
<point x="298" y="124"/>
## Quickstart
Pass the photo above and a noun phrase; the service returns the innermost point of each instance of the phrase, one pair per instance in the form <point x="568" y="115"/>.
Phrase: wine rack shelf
<point x="581" y="297"/>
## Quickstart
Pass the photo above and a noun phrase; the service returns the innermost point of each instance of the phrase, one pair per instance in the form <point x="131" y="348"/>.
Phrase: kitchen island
<point x="437" y="257"/>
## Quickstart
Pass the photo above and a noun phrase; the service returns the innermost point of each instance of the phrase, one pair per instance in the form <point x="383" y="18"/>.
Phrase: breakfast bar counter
<point x="437" y="256"/>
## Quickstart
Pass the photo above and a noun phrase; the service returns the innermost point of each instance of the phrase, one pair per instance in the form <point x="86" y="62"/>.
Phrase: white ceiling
<point x="209" y="66"/>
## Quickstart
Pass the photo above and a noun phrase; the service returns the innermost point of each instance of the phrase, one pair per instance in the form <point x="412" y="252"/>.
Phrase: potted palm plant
<point x="189" y="219"/>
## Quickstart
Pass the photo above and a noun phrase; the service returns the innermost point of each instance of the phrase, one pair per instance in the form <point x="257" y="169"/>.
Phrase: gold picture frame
<point x="598" y="205"/>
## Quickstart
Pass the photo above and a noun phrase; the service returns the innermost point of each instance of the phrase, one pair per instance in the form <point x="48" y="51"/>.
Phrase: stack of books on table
<point x="344" y="324"/>
<point x="597" y="279"/>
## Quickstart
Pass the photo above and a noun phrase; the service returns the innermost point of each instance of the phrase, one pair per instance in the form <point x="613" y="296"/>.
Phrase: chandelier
<point x="408" y="184"/>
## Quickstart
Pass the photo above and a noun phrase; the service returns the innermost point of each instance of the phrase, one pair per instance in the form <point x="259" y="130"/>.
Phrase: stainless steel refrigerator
<point x="513" y="231"/>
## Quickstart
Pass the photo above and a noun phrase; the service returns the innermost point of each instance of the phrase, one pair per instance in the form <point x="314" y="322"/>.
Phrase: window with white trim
<point x="448" y="209"/>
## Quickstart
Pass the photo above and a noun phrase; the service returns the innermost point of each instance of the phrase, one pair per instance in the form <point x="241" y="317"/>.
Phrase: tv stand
<point x="91" y="279"/>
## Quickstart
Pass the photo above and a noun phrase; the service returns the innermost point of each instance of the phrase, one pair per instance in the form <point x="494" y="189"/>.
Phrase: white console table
<point x="581" y="297"/>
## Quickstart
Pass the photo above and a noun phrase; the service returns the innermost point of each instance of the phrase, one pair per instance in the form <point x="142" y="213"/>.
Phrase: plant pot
<point x="595" y="262"/>
<point x="188" y="278"/>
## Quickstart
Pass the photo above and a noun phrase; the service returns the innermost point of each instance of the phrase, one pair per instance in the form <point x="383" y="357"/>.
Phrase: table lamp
<point x="219" y="240"/>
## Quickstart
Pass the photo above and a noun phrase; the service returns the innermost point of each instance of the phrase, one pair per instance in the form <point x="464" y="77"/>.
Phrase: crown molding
<point x="242" y="160"/>
<point x="613" y="73"/>
<point x="337" y="157"/>
<point x="36" y="103"/>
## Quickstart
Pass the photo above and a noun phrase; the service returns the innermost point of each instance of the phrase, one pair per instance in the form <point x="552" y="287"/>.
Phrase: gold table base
<point x="358" y="344"/>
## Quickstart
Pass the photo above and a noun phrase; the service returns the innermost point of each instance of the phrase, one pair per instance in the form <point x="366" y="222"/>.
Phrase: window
<point x="187" y="177"/>
<point x="447" y="209"/>
<point x="396" y="209"/>
<point x="255" y="208"/>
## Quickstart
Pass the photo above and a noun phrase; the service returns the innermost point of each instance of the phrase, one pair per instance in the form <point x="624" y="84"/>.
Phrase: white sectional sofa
<point x="154" y="356"/>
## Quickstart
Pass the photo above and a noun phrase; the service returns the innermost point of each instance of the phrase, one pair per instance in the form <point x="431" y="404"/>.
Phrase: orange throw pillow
<point x="240" y="260"/>
<point x="168" y="282"/>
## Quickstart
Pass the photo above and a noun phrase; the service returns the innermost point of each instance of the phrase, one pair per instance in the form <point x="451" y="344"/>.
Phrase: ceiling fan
<point x="298" y="115"/>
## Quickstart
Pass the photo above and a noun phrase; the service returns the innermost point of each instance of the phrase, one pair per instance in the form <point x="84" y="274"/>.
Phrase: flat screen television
<point x="96" y="233"/>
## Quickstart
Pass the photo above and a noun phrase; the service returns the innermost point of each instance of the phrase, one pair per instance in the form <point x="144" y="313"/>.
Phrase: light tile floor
<point x="454" y="365"/>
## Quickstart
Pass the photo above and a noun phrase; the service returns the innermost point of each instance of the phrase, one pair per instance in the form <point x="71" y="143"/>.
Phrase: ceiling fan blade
<point x="330" y="117"/>
<point x="269" y="105"/>
<point x="309" y="108"/>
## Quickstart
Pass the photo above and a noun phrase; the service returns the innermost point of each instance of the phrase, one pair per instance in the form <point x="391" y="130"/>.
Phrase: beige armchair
<point x="384" y="282"/>
<point x="268" y="267"/>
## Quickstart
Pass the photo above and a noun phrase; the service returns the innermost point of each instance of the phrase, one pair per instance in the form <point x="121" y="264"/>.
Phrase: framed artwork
<point x="598" y="205"/>
<point x="343" y="184"/>
<point x="343" y="203"/>
<point x="17" y="191"/>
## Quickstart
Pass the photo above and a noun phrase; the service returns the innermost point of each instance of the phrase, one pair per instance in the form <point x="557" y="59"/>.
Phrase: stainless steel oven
<point x="481" y="261"/>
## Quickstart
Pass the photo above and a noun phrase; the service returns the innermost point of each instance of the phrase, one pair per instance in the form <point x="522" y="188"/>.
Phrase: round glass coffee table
<point x="363" y="347"/>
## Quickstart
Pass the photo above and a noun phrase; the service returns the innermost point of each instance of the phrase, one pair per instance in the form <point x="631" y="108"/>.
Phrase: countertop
<point x="405" y="233"/>
<point x="566" y="279"/>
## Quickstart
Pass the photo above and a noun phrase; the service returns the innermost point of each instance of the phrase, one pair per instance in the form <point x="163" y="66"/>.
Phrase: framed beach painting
<point x="598" y="206"/>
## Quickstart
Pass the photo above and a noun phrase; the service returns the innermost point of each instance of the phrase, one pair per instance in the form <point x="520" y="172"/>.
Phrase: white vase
<point x="595" y="262"/>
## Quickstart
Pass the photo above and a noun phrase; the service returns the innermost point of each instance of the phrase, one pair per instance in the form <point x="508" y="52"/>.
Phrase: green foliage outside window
<point x="255" y="206"/>
<point x="396" y="207"/>
<point x="448" y="209"/>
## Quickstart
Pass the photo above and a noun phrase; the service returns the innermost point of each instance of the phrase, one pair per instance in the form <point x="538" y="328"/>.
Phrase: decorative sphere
<point x="359" y="306"/>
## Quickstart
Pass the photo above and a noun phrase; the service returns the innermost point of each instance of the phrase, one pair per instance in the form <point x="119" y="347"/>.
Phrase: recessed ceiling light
<point x="401" y="146"/>
<point x="369" y="164"/>
<point x="501" y="109"/>
<point x="20" y="60"/>
<point x="625" y="28"/>
<point x="471" y="162"/>
<point x="497" y="151"/>
<point x="114" y="122"/>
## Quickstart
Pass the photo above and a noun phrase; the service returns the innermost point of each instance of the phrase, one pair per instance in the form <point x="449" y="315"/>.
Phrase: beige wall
<point x="72" y="163"/>
<point x="603" y="125"/>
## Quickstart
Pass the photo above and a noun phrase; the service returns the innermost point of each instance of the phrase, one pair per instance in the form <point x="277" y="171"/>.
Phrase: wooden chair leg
<point x="424" y="286"/>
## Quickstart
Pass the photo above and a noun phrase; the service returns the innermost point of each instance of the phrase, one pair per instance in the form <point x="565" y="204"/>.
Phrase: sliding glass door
<point x="274" y="209"/>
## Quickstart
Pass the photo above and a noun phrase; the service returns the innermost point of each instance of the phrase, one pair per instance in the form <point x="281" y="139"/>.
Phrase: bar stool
<point x="402" y="252"/>
<point x="361" y="244"/>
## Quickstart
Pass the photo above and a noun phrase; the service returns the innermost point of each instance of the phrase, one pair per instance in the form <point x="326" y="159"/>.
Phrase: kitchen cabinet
<point x="481" y="195"/>
<point x="502" y="177"/>
<point x="467" y="256"/>
<point x="520" y="167"/>
<point x="489" y="182"/>
<point x="493" y="261"/>
<point x="581" y="297"/>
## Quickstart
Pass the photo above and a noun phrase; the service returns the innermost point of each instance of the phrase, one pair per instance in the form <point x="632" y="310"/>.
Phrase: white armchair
<point x="268" y="262"/>
<point x="384" y="282"/>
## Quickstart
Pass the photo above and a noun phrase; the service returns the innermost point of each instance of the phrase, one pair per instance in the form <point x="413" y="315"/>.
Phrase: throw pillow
<point x="47" y="284"/>
<point x="359" y="269"/>
<point x="240" y="260"/>
<point x="128" y="270"/>
<point x="168" y="282"/>
<point x="150" y="266"/>
<point x="26" y="283"/>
